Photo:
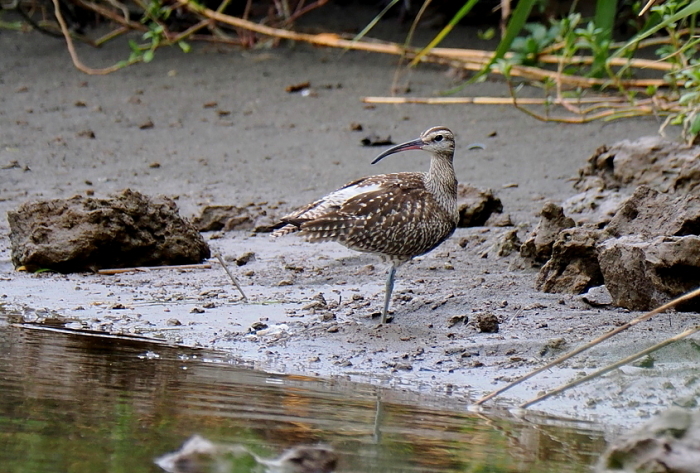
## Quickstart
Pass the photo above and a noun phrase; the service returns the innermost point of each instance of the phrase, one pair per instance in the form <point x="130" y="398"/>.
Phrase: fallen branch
<point x="71" y="48"/>
<point x="469" y="59"/>
<point x="474" y="59"/>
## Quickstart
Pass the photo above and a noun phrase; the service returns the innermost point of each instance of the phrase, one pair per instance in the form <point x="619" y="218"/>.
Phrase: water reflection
<point x="77" y="403"/>
<point x="199" y="455"/>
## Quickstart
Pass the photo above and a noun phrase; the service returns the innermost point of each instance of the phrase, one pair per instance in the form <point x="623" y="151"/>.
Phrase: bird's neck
<point x="442" y="182"/>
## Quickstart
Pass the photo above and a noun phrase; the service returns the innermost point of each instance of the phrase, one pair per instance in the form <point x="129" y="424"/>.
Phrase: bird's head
<point x="438" y="140"/>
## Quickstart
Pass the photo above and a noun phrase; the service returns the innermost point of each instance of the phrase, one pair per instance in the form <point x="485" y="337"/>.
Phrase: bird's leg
<point x="389" y="289"/>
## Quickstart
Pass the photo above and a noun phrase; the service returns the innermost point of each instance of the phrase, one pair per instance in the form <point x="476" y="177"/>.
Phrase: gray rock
<point x="573" y="267"/>
<point x="259" y="217"/>
<point x="80" y="234"/>
<point x="504" y="244"/>
<point x="476" y="206"/>
<point x="595" y="206"/>
<point x="552" y="221"/>
<point x="669" y="443"/>
<point x="220" y="217"/>
<point x="649" y="251"/>
<point x="597" y="296"/>
<point x="642" y="275"/>
<point x="650" y="213"/>
<point x="664" y="165"/>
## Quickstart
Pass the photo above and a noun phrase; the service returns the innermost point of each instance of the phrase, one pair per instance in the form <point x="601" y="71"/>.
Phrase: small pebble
<point x="456" y="319"/>
<point x="487" y="323"/>
<point x="258" y="326"/>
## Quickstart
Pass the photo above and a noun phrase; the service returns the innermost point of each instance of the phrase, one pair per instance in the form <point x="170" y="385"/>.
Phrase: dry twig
<point x="230" y="275"/>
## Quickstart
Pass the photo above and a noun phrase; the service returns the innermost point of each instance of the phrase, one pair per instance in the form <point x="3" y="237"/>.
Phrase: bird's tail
<point x="285" y="230"/>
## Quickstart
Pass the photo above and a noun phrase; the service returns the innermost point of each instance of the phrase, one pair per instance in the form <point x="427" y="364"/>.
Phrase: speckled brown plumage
<point x="396" y="216"/>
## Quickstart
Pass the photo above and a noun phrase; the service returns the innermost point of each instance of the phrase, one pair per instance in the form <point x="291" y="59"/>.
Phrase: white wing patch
<point x="336" y="199"/>
<point x="339" y="197"/>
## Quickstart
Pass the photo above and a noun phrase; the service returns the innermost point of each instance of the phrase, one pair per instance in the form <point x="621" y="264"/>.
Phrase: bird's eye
<point x="438" y="138"/>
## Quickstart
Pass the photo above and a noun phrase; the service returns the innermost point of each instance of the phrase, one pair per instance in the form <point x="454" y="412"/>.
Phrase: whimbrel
<point x="396" y="216"/>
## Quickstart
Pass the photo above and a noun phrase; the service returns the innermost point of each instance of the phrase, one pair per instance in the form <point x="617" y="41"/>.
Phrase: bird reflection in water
<point x="199" y="455"/>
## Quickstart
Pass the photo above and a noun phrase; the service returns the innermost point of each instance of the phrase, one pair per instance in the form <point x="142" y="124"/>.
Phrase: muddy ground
<point x="216" y="126"/>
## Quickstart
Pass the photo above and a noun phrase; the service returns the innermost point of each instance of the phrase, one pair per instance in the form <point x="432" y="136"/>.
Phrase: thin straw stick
<point x="109" y="272"/>
<point x="489" y="100"/>
<point x="611" y="367"/>
<point x="641" y="318"/>
<point x="480" y="57"/>
<point x="230" y="275"/>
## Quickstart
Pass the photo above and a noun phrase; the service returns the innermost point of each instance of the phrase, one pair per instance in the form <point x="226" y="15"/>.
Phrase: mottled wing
<point x="325" y="205"/>
<point x="398" y="217"/>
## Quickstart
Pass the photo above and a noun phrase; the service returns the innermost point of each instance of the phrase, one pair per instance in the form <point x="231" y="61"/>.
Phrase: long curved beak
<point x="413" y="144"/>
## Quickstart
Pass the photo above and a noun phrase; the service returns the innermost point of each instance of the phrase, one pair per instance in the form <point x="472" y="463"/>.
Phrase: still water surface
<point x="77" y="403"/>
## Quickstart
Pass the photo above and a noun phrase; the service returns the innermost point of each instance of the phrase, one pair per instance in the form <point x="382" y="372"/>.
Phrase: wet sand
<point x="225" y="131"/>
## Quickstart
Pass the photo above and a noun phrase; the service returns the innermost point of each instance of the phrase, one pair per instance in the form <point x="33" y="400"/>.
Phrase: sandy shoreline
<point x="226" y="132"/>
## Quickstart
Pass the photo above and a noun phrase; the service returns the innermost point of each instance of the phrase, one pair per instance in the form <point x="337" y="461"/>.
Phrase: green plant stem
<point x="466" y="8"/>
<point x="604" y="20"/>
<point x="516" y="23"/>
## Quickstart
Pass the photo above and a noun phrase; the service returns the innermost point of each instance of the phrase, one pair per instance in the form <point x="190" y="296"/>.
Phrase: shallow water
<point x="74" y="402"/>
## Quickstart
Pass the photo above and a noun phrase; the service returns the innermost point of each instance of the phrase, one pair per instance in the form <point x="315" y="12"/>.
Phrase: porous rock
<point x="258" y="217"/>
<point x="221" y="217"/>
<point x="80" y="233"/>
<point x="595" y="205"/>
<point x="650" y="213"/>
<point x="643" y="274"/>
<point x="597" y="296"/>
<point x="476" y="206"/>
<point x="487" y="323"/>
<point x="613" y="172"/>
<point x="647" y="252"/>
<point x="645" y="161"/>
<point x="573" y="266"/>
<point x="668" y="443"/>
<point x="505" y="243"/>
<point x="552" y="221"/>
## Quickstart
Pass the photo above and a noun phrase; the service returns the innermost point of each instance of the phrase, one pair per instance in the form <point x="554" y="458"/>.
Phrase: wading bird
<point x="396" y="216"/>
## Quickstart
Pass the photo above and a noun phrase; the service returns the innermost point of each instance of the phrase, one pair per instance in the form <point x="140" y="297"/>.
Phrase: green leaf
<point x="691" y="9"/>
<point x="604" y="22"/>
<point x="374" y="21"/>
<point x="677" y="120"/>
<point x="689" y="98"/>
<point x="516" y="23"/>
<point x="488" y="34"/>
<point x="694" y="128"/>
<point x="148" y="55"/>
<point x="605" y="12"/>
<point x="186" y="48"/>
<point x="466" y="8"/>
